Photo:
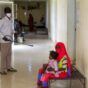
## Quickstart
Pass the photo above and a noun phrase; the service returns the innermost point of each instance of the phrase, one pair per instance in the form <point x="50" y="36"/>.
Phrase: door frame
<point x="12" y="6"/>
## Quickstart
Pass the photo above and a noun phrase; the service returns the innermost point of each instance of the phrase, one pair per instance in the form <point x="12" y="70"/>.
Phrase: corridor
<point x="27" y="61"/>
<point x="67" y="22"/>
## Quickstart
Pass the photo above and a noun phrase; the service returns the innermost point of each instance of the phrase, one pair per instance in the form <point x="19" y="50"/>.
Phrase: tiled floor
<point x="27" y="60"/>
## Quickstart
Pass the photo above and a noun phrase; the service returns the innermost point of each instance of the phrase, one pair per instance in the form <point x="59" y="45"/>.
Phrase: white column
<point x="48" y="18"/>
<point x="61" y="25"/>
<point x="53" y="22"/>
<point x="71" y="33"/>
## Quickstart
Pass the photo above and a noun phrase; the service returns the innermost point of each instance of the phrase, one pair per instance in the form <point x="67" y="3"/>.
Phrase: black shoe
<point x="12" y="70"/>
<point x="3" y="73"/>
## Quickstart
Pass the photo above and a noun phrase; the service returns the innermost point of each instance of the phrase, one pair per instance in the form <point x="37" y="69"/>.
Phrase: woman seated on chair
<point x="63" y="64"/>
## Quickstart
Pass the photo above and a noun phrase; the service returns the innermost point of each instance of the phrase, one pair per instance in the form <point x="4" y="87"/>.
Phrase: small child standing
<point x="50" y="71"/>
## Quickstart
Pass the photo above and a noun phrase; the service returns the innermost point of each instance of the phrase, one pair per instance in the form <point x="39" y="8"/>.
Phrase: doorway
<point x="37" y="9"/>
<point x="4" y="4"/>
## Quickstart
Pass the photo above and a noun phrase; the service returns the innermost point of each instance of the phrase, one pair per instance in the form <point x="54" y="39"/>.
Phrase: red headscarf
<point x="61" y="50"/>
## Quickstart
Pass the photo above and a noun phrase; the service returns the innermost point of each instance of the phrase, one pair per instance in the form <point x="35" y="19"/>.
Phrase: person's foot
<point x="12" y="70"/>
<point x="3" y="73"/>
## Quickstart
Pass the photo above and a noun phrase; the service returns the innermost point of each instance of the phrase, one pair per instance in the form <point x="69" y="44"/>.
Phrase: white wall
<point x="47" y="13"/>
<point x="82" y="38"/>
<point x="61" y="34"/>
<point x="62" y="23"/>
<point x="57" y="20"/>
<point x="71" y="28"/>
<point x="53" y="11"/>
<point x="48" y="17"/>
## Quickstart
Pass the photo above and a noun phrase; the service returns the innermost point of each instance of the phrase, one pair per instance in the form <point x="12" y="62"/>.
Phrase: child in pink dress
<point x="52" y="65"/>
<point x="50" y="71"/>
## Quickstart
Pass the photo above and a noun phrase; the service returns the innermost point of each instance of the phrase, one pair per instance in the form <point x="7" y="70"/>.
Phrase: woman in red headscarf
<point x="64" y="67"/>
<point x="64" y="61"/>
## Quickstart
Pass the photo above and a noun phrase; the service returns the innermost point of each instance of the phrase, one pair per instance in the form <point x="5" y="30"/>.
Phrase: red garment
<point x="45" y="77"/>
<point x="41" y="71"/>
<point x="61" y="50"/>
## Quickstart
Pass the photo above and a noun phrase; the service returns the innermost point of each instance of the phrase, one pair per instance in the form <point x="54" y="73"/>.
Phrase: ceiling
<point x="27" y="0"/>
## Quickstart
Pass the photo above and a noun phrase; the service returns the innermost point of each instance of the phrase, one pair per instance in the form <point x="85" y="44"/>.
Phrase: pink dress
<point x="47" y="74"/>
<point x="52" y="64"/>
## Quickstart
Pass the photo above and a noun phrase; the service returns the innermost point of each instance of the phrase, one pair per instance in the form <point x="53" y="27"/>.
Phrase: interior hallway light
<point x="25" y="13"/>
<point x="6" y="2"/>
